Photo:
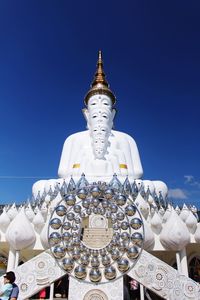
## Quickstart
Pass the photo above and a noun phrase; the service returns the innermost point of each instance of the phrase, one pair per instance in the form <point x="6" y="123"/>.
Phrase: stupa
<point x="100" y="222"/>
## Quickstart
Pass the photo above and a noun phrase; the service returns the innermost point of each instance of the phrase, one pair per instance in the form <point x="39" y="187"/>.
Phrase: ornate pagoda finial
<point x="99" y="75"/>
<point x="100" y="84"/>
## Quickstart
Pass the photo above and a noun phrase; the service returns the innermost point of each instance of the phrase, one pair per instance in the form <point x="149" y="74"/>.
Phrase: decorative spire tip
<point x="100" y="84"/>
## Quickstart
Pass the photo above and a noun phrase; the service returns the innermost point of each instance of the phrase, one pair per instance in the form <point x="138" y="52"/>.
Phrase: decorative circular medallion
<point x="95" y="295"/>
<point x="41" y="265"/>
<point x="23" y="287"/>
<point x="96" y="233"/>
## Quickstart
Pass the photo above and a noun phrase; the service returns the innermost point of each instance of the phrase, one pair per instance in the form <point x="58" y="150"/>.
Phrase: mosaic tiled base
<point x="163" y="279"/>
<point x="156" y="275"/>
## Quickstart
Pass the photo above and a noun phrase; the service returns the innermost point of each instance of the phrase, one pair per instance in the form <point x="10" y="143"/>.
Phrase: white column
<point x="11" y="259"/>
<point x="51" y="291"/>
<point x="183" y="259"/>
<point x="178" y="262"/>
<point x="141" y="292"/>
<point x="17" y="258"/>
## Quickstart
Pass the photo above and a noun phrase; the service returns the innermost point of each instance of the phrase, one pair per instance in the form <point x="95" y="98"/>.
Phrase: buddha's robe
<point x="122" y="157"/>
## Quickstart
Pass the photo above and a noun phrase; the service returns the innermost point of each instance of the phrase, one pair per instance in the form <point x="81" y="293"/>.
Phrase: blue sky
<point x="48" y="54"/>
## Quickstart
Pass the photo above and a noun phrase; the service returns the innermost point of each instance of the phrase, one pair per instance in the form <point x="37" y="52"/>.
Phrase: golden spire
<point x="99" y="75"/>
<point x="100" y="84"/>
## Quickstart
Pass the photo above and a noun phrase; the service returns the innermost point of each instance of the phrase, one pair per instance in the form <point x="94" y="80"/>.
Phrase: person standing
<point x="15" y="289"/>
<point x="7" y="287"/>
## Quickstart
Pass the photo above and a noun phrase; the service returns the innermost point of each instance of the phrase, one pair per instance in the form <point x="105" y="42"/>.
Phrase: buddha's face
<point x="99" y="116"/>
<point x="99" y="147"/>
<point x="100" y="101"/>
<point x="100" y="131"/>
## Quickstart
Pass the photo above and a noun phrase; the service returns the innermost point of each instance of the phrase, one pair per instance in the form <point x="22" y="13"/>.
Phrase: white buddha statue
<point x="99" y="152"/>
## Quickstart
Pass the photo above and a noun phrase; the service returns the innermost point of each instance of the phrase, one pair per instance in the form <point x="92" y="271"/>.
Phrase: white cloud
<point x="177" y="194"/>
<point x="189" y="179"/>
